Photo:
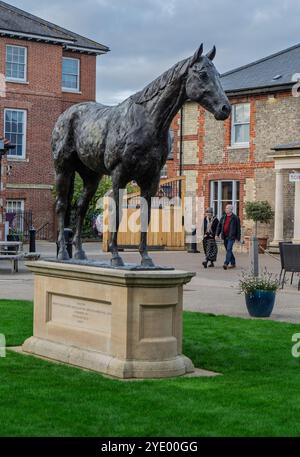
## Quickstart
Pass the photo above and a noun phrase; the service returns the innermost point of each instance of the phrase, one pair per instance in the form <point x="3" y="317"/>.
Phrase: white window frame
<point x="15" y="200"/>
<point x="68" y="89"/>
<point x="219" y="196"/>
<point x="164" y="172"/>
<point x="233" y="124"/>
<point x="21" y="210"/>
<point x="23" y="156"/>
<point x="11" y="79"/>
<point x="171" y="135"/>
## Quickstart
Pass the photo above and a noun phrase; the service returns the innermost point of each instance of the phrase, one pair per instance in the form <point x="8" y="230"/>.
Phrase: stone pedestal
<point x="126" y="324"/>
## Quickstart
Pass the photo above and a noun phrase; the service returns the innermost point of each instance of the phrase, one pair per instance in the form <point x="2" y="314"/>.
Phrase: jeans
<point x="229" y="254"/>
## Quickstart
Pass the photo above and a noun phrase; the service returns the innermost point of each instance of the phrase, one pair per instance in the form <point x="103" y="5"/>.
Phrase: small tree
<point x="260" y="211"/>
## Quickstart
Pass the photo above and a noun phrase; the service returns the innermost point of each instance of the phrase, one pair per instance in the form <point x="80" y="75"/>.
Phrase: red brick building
<point x="231" y="161"/>
<point x="43" y="70"/>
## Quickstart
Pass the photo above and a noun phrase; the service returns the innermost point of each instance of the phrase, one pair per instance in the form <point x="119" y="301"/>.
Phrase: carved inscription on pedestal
<point x="76" y="312"/>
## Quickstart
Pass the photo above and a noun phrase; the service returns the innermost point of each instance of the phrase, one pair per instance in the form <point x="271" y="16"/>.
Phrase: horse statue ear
<point x="211" y="54"/>
<point x="197" y="54"/>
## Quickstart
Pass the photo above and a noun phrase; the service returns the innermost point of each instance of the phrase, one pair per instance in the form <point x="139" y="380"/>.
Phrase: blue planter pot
<point x="260" y="303"/>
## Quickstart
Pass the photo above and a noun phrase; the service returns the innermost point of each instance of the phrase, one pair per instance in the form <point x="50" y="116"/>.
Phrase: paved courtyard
<point x="211" y="291"/>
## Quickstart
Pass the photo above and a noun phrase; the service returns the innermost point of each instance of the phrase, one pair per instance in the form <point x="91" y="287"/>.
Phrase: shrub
<point x="93" y="210"/>
<point x="104" y="186"/>
<point x="266" y="281"/>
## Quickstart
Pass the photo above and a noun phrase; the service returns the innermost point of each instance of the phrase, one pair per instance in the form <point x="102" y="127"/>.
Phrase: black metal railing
<point x="43" y="233"/>
<point x="20" y="222"/>
<point x="170" y="189"/>
<point x="168" y="194"/>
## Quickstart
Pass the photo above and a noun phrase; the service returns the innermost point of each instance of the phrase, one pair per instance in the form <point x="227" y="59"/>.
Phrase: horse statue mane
<point x="159" y="84"/>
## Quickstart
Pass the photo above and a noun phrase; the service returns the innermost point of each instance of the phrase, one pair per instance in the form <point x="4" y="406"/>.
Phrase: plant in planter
<point x="262" y="212"/>
<point x="260" y="292"/>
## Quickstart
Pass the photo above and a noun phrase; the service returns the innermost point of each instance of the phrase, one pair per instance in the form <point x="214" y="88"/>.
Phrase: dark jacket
<point x="213" y="228"/>
<point x="234" y="228"/>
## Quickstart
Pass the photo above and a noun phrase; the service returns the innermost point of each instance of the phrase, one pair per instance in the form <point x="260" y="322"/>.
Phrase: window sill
<point x="66" y="91"/>
<point x="17" y="159"/>
<point x="16" y="81"/>
<point x="239" y="146"/>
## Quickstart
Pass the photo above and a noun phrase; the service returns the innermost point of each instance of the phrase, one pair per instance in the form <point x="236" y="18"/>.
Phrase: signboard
<point x="294" y="177"/>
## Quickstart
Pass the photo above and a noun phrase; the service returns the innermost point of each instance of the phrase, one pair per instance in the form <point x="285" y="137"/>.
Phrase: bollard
<point x="254" y="256"/>
<point x="32" y="233"/>
<point x="192" y="245"/>
<point x="68" y="235"/>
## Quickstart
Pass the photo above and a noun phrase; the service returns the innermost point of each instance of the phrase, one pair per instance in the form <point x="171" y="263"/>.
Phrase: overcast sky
<point x="146" y="37"/>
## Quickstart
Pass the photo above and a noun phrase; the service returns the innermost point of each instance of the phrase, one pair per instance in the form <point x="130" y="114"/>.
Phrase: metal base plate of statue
<point x="122" y="323"/>
<point x="107" y="264"/>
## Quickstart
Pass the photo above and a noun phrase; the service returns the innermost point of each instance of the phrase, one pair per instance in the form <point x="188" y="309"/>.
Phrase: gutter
<point x="88" y="50"/>
<point x="30" y="36"/>
<point x="260" y="90"/>
<point x="68" y="44"/>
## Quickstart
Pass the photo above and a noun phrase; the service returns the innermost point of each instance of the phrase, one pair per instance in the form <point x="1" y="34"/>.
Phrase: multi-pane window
<point x="16" y="57"/>
<point x="15" y="214"/>
<point x="224" y="193"/>
<point x="240" y="124"/>
<point x="14" y="206"/>
<point x="70" y="74"/>
<point x="15" y="131"/>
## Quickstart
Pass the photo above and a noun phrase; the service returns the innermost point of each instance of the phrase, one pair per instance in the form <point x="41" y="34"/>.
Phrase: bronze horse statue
<point x="128" y="142"/>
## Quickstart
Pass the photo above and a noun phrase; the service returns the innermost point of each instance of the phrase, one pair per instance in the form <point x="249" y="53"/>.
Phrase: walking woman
<point x="210" y="225"/>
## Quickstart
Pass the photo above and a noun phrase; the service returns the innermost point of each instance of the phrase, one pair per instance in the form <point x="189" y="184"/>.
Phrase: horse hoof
<point x="63" y="255"/>
<point x="147" y="262"/>
<point x="117" y="261"/>
<point x="80" y="255"/>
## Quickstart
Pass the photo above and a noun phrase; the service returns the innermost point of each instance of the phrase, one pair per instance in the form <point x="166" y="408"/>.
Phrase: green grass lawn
<point x="258" y="394"/>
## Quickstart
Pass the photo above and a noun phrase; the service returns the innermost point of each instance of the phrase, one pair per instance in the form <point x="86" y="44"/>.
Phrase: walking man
<point x="230" y="230"/>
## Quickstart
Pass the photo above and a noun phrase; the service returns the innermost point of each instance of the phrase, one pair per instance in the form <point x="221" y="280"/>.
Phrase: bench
<point x="12" y="251"/>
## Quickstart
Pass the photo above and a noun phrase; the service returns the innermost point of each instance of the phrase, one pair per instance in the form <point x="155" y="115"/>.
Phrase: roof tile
<point x="271" y="71"/>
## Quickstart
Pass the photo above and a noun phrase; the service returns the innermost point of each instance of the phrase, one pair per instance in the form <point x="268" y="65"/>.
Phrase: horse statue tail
<point x="69" y="203"/>
<point x="61" y="135"/>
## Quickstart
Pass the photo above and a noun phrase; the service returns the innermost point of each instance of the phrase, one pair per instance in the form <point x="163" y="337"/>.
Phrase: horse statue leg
<point x="118" y="185"/>
<point x="90" y="181"/>
<point x="63" y="185"/>
<point x="146" y="194"/>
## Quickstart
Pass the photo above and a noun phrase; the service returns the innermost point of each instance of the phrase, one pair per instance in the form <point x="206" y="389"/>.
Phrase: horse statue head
<point x="203" y="84"/>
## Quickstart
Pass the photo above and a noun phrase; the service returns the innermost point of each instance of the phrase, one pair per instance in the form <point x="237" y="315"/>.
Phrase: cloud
<point x="148" y="36"/>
